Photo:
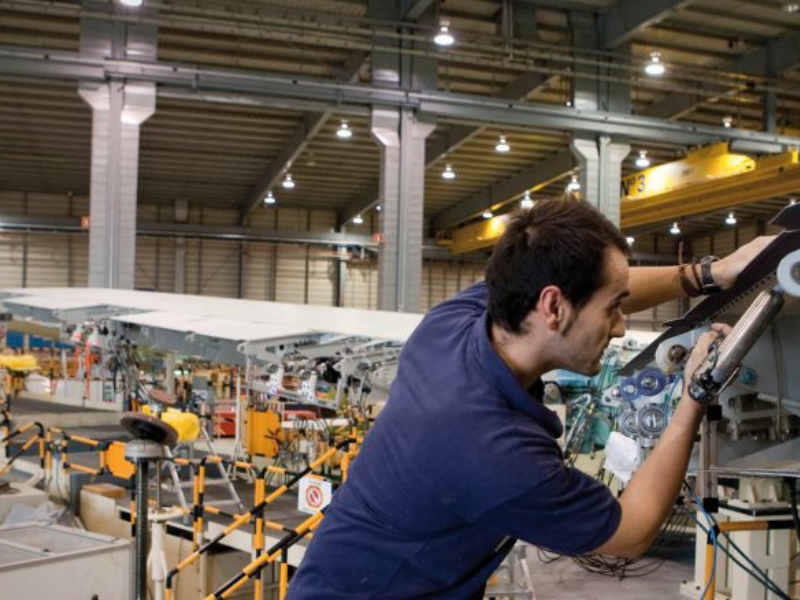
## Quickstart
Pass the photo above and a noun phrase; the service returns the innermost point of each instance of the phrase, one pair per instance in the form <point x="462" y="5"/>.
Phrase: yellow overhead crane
<point x="707" y="180"/>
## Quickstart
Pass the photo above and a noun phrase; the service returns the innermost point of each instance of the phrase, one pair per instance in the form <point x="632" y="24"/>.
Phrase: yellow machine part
<point x="24" y="362"/>
<point x="263" y="433"/>
<point x="479" y="235"/>
<point x="116" y="463"/>
<point x="707" y="165"/>
<point x="186" y="424"/>
<point x="722" y="188"/>
<point x="706" y="180"/>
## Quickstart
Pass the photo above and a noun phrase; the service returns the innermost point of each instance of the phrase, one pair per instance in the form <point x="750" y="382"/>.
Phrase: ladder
<point x="187" y="450"/>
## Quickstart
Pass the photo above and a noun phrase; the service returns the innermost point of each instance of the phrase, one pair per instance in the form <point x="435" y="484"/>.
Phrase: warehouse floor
<point x="565" y="579"/>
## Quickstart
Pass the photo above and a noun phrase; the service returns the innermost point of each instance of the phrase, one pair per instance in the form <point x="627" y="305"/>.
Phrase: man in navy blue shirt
<point x="464" y="460"/>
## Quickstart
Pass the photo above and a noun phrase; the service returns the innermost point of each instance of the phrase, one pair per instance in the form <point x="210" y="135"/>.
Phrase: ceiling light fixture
<point x="574" y="185"/>
<point x="527" y="202"/>
<point x="269" y="199"/>
<point x="791" y="7"/>
<point x="675" y="230"/>
<point x="443" y="36"/>
<point x="502" y="145"/>
<point x="731" y="219"/>
<point x="344" y="132"/>
<point x="357" y="220"/>
<point x="727" y="121"/>
<point x="379" y="208"/>
<point x="131" y="3"/>
<point x="643" y="162"/>
<point x="630" y="239"/>
<point x="448" y="173"/>
<point x="655" y="67"/>
<point x="487" y="214"/>
<point x="288" y="182"/>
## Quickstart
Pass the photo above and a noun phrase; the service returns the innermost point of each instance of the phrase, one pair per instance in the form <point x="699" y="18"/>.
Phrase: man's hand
<point x="726" y="270"/>
<point x="701" y="350"/>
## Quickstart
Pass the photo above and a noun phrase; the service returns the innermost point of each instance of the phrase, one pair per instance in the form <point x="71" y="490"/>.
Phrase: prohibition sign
<point x="314" y="496"/>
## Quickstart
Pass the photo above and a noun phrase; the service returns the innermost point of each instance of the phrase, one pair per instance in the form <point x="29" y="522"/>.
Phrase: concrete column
<point x="401" y="136"/>
<point x="600" y="170"/>
<point x="599" y="157"/>
<point x="585" y="91"/>
<point x="118" y="110"/>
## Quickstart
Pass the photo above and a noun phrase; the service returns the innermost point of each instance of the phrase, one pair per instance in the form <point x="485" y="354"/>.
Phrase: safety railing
<point x="729" y="527"/>
<point x="255" y="514"/>
<point x="54" y="442"/>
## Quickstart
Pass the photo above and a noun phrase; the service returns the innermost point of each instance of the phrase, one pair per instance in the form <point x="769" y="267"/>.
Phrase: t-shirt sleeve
<point x="569" y="512"/>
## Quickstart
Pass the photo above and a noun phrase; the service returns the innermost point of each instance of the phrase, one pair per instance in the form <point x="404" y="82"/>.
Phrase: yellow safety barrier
<point x="729" y="527"/>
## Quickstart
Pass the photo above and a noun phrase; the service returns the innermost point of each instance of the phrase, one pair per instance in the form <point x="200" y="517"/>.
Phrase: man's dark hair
<point x="558" y="242"/>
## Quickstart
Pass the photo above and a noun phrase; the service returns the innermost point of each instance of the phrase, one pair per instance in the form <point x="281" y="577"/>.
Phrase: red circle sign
<point x="314" y="496"/>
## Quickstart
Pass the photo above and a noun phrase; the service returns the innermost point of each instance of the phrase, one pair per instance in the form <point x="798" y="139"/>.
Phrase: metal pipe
<point x="142" y="530"/>
<point x="723" y="361"/>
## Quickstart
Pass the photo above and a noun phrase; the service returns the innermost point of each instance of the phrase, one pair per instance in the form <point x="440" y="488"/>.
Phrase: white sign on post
<point x="314" y="494"/>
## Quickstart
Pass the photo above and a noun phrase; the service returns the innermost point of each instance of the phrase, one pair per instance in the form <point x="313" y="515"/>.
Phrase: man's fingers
<point x="721" y="328"/>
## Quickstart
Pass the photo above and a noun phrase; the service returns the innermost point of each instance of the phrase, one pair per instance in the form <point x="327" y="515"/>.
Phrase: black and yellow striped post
<point x="241" y="578"/>
<point x="251" y="514"/>
<point x="258" y="535"/>
<point x="39" y="437"/>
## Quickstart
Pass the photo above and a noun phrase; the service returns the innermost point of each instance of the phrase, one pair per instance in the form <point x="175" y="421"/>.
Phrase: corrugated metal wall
<point x="155" y="264"/>
<point x="443" y="279"/>
<point x="361" y="283"/>
<point x="296" y="273"/>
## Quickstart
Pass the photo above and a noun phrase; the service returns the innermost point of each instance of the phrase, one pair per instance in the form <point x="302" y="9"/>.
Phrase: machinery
<point x="745" y="468"/>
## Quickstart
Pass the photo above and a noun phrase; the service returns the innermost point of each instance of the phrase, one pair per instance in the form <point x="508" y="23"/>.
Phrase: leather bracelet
<point x="696" y="275"/>
<point x="708" y="285"/>
<point x="690" y="290"/>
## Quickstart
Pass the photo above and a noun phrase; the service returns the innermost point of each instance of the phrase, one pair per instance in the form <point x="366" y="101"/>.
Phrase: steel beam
<point x="520" y="20"/>
<point x="417" y="8"/>
<point x="26" y="224"/>
<point x="630" y="17"/>
<point x="770" y="60"/>
<point x="309" y="127"/>
<point x="616" y="27"/>
<point x="364" y="203"/>
<point x="463" y="107"/>
<point x="496" y="195"/>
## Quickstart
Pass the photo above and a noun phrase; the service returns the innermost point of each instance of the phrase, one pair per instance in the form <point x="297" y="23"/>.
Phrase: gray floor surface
<point x="565" y="579"/>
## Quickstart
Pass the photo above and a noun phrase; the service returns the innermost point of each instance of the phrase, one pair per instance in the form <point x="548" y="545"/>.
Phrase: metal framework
<point x="463" y="107"/>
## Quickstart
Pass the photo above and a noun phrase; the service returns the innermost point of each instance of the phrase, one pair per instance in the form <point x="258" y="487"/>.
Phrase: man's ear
<point x="552" y="307"/>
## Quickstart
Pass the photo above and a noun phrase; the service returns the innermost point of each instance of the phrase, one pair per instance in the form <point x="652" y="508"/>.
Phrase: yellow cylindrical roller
<point x="186" y="424"/>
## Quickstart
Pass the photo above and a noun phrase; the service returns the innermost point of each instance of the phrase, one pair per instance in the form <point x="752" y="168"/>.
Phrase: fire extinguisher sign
<point x="314" y="494"/>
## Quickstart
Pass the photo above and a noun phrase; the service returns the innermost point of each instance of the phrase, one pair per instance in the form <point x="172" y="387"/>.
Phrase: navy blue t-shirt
<point x="461" y="462"/>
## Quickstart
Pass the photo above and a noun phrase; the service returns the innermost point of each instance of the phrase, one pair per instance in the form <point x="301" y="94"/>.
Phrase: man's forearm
<point x="653" y="489"/>
<point x="651" y="286"/>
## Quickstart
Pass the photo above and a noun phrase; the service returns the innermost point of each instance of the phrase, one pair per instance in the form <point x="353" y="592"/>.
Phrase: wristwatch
<point x="707" y="280"/>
